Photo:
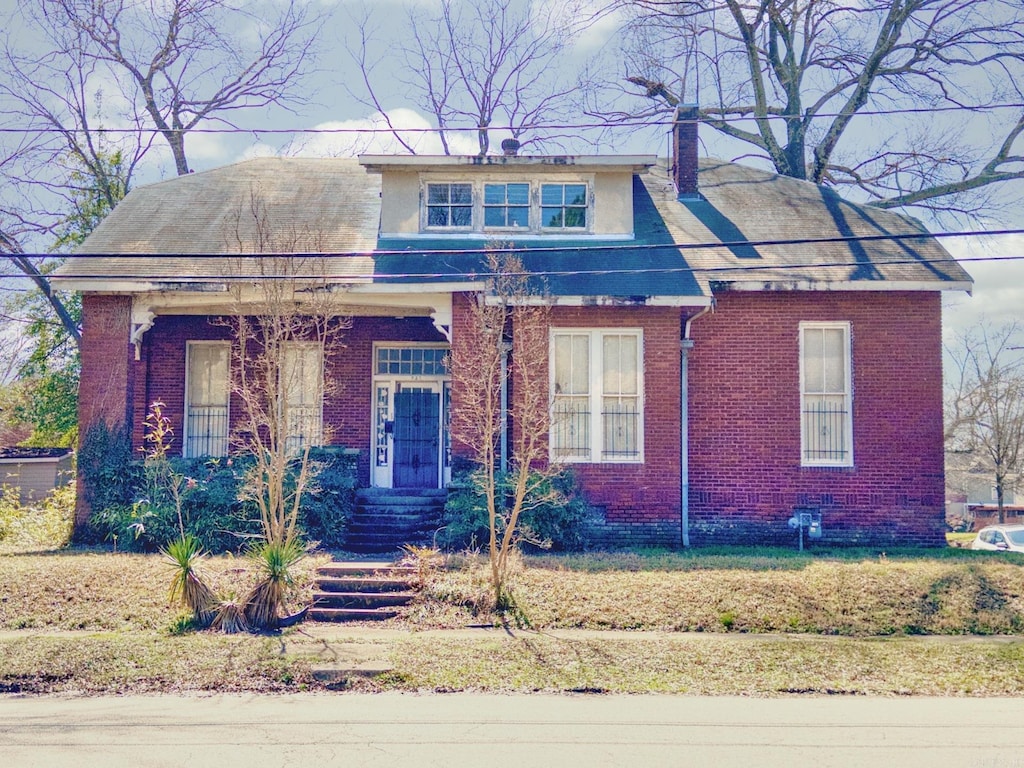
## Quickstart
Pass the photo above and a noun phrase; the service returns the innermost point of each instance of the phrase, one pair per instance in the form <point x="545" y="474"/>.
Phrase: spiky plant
<point x="187" y="586"/>
<point x="229" y="616"/>
<point x="274" y="560"/>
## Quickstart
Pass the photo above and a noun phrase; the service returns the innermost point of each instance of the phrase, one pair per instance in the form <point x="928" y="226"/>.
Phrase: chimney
<point x="510" y="147"/>
<point x="684" y="151"/>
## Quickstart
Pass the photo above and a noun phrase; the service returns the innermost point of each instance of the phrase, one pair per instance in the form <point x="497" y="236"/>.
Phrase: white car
<point x="1000" y="538"/>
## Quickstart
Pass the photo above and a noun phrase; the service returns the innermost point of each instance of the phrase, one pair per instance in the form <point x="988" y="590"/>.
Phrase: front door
<point x="416" y="444"/>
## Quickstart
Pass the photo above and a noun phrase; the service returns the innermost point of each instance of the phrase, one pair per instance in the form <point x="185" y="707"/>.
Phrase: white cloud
<point x="372" y="135"/>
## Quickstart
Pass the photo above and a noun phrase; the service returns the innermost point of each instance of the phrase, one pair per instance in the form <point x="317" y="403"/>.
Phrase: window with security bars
<point x="301" y="395"/>
<point x="596" y="413"/>
<point x="826" y="413"/>
<point x="207" y="392"/>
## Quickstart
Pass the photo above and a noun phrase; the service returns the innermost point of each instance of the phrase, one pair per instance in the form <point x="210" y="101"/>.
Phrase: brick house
<point x="727" y="346"/>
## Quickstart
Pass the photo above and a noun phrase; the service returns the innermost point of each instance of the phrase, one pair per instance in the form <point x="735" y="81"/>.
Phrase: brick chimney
<point x="684" y="151"/>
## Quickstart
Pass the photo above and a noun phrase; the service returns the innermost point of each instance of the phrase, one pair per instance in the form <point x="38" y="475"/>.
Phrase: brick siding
<point x="745" y="472"/>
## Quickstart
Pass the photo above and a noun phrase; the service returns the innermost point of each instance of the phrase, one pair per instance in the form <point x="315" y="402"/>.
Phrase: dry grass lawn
<point x="730" y="622"/>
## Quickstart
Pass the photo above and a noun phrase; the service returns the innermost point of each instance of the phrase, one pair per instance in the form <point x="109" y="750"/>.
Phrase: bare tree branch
<point x="821" y="66"/>
<point x="484" y="64"/>
<point x="985" y="403"/>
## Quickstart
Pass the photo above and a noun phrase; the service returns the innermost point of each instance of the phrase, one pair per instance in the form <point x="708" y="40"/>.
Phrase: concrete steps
<point x="385" y="519"/>
<point x="361" y="591"/>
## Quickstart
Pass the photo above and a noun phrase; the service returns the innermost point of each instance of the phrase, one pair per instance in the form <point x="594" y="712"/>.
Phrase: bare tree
<point x="109" y="78"/>
<point x="486" y="64"/>
<point x="795" y="82"/>
<point x="182" y="62"/>
<point x="504" y="344"/>
<point x="286" y="323"/>
<point x="985" y="403"/>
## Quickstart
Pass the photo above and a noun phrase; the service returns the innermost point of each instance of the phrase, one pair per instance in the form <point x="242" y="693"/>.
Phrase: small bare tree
<point x="504" y="344"/>
<point x="286" y="324"/>
<point x="985" y="403"/>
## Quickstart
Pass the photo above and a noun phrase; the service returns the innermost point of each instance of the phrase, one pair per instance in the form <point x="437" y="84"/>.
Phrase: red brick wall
<point x="106" y="382"/>
<point x="638" y="503"/>
<point x="646" y="494"/>
<point x="745" y="473"/>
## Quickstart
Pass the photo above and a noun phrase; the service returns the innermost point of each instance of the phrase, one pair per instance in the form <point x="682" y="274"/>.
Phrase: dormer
<point x="507" y="197"/>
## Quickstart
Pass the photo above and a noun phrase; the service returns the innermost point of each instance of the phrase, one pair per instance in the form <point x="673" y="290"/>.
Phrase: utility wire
<point x="463" y="276"/>
<point x="514" y="249"/>
<point x="627" y="123"/>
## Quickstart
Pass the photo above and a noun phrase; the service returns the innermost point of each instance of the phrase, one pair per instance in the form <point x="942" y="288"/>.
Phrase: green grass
<point x="900" y="594"/>
<point x="711" y="665"/>
<point x="740" y="622"/>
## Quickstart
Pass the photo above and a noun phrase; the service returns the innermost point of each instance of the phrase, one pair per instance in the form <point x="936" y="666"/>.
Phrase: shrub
<point x="559" y="525"/>
<point x="110" y="473"/>
<point x="44" y="523"/>
<point x="211" y="510"/>
<point x="327" y="505"/>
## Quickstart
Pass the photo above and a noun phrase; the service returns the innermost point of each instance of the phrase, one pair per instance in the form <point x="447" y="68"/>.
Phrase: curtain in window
<point x="206" y="421"/>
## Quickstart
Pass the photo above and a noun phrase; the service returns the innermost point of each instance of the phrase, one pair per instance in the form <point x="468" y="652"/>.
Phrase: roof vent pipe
<point x="510" y="147"/>
<point x="684" y="151"/>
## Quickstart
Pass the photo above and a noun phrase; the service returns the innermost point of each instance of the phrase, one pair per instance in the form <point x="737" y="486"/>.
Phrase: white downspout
<point x="685" y="345"/>
<point x="506" y="348"/>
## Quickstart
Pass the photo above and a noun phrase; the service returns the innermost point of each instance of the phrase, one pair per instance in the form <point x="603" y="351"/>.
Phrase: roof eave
<point x="847" y="285"/>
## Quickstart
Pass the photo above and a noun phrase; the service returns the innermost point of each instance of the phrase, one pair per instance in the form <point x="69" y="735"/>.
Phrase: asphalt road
<point x="414" y="731"/>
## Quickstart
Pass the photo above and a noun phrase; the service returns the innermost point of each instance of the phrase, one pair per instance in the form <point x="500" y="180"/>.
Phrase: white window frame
<point x="186" y="434"/>
<point x="315" y="436"/>
<point x="588" y="209"/>
<point x="535" y="227"/>
<point x="596" y="395"/>
<point x="484" y="205"/>
<point x="846" y="460"/>
<point x="425" y="206"/>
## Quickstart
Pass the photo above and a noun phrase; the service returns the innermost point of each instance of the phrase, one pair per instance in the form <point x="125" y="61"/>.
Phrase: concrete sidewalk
<point x="509" y="731"/>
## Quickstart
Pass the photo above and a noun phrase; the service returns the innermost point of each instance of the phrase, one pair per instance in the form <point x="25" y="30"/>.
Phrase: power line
<point x="626" y="123"/>
<point x="513" y="249"/>
<point x="463" y="276"/>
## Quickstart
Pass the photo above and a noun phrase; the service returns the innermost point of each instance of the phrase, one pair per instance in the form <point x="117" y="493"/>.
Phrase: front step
<point x="385" y="519"/>
<point x="361" y="591"/>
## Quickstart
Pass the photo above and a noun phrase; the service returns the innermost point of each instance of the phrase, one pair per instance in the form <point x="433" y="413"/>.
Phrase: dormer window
<point x="563" y="206"/>
<point x="493" y="205"/>
<point x="507" y="206"/>
<point x="450" y="205"/>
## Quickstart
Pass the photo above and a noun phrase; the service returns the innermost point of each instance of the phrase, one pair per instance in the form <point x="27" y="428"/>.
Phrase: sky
<point x="998" y="295"/>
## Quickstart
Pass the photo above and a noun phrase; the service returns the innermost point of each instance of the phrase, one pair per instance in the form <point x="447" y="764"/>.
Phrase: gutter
<point x="685" y="345"/>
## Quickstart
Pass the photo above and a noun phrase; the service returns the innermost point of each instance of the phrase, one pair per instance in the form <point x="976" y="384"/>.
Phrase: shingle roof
<point x="744" y="204"/>
<point x="333" y="206"/>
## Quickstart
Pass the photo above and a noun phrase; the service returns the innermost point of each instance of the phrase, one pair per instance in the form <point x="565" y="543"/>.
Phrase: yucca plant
<point x="187" y="587"/>
<point x="229" y="616"/>
<point x="274" y="560"/>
